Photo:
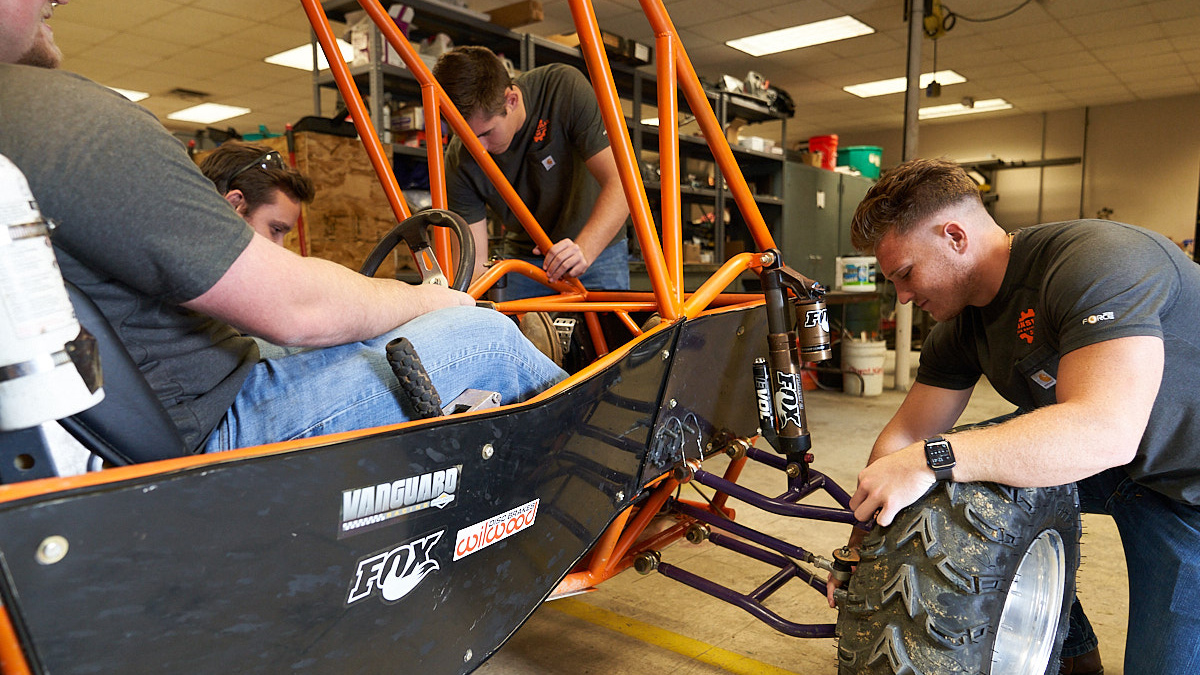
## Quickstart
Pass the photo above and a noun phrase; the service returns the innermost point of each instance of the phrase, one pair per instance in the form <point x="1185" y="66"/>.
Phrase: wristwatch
<point x="940" y="457"/>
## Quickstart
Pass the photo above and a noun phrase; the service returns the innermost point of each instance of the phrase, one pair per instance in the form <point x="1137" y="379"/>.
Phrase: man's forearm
<point x="1054" y="445"/>
<point x="1093" y="426"/>
<point x="347" y="307"/>
<point x="605" y="222"/>
<point x="610" y="211"/>
<point x="275" y="294"/>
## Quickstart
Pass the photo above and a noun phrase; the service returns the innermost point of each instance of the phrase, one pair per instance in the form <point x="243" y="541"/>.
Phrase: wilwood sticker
<point x="483" y="534"/>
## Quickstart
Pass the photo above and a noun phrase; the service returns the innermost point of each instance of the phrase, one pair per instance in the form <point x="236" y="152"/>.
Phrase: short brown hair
<point x="474" y="79"/>
<point x="258" y="185"/>
<point x="905" y="196"/>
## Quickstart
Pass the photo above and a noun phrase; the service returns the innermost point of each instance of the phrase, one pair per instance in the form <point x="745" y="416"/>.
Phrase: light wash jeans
<point x="1161" y="538"/>
<point x="609" y="272"/>
<point x="351" y="386"/>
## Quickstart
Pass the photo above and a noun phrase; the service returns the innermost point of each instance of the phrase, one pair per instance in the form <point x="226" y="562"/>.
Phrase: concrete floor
<point x="650" y="624"/>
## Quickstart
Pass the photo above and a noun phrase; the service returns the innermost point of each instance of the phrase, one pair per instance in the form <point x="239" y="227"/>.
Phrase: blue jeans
<point x="1161" y="538"/>
<point x="609" y="271"/>
<point x="351" y="386"/>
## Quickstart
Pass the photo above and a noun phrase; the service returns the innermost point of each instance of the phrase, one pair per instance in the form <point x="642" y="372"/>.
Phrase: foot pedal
<point x="472" y="399"/>
<point x="565" y="328"/>
<point x="414" y="381"/>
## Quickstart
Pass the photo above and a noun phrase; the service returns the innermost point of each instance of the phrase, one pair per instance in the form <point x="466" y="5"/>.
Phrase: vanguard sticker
<point x="367" y="508"/>
<point x="395" y="572"/>
<point x="482" y="535"/>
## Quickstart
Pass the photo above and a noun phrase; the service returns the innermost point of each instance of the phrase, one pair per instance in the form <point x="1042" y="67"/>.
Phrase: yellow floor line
<point x="693" y="649"/>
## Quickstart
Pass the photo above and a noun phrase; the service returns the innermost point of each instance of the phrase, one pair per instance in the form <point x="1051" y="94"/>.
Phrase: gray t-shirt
<point x="139" y="229"/>
<point x="1076" y="283"/>
<point x="546" y="161"/>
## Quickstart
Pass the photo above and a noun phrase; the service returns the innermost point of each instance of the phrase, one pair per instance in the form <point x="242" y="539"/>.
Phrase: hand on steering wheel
<point x="412" y="232"/>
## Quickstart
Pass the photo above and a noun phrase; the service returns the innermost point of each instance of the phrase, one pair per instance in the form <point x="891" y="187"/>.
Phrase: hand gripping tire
<point x="973" y="578"/>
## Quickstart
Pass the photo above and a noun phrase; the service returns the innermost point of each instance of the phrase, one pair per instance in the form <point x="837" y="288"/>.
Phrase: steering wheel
<point x="412" y="232"/>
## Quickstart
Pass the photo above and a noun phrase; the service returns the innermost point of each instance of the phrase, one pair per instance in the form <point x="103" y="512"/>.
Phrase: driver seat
<point x="130" y="425"/>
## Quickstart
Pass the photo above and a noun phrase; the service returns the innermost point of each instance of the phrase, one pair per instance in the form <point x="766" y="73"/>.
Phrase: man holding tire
<point x="1089" y="327"/>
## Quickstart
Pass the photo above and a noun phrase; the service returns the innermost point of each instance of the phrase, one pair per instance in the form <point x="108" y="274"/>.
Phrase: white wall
<point x="1141" y="159"/>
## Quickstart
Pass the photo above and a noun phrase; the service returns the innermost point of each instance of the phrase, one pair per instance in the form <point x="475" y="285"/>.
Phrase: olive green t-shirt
<point x="545" y="163"/>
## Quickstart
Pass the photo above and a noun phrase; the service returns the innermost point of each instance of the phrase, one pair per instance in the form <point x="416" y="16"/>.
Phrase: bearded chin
<point x="42" y="55"/>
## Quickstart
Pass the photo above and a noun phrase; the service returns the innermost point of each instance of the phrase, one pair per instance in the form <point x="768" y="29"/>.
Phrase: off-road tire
<point x="927" y="596"/>
<point x="414" y="381"/>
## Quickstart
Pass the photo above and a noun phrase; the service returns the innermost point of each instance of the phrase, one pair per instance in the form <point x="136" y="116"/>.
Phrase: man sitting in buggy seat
<point x="181" y="276"/>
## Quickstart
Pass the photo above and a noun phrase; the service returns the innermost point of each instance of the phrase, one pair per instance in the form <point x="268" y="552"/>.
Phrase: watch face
<point x="938" y="454"/>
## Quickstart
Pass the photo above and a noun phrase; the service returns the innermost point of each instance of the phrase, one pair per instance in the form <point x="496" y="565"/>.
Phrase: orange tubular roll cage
<point x="623" y="539"/>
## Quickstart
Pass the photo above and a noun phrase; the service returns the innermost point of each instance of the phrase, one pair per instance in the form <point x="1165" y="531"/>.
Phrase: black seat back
<point x="130" y="425"/>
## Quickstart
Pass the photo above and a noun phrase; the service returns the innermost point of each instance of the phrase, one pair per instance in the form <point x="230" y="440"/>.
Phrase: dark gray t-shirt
<point x="139" y="229"/>
<point x="1076" y="283"/>
<point x="546" y="161"/>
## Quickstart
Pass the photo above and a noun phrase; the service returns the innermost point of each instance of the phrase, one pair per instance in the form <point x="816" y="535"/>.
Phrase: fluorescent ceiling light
<point x="899" y="84"/>
<point x="986" y="105"/>
<point x="301" y="57"/>
<point x="207" y="113"/>
<point x="134" y="96"/>
<point x="829" y="30"/>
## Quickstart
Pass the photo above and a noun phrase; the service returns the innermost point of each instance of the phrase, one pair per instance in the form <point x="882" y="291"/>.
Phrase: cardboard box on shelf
<point x="618" y="48"/>
<point x="691" y="253"/>
<point x="567" y="39"/>
<point x="408" y="118"/>
<point x="517" y="14"/>
<point x="757" y="143"/>
<point x="812" y="158"/>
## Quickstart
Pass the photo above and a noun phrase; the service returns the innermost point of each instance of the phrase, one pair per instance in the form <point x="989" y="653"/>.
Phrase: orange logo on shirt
<point x="1025" y="326"/>
<point x="539" y="134"/>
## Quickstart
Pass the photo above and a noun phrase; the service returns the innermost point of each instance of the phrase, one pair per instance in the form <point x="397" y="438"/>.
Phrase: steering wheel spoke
<point x="413" y="232"/>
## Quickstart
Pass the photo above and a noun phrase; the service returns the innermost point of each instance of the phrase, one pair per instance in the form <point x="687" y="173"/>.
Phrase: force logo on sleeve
<point x="1097" y="318"/>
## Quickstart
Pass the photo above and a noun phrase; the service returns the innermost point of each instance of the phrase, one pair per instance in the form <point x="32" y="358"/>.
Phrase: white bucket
<point x="865" y="358"/>
<point x="855" y="274"/>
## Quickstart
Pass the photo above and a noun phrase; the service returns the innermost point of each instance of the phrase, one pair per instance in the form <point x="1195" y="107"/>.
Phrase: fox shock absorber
<point x="782" y="414"/>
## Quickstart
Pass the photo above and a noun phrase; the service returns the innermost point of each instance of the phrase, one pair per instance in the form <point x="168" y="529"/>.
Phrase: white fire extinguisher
<point x="48" y="366"/>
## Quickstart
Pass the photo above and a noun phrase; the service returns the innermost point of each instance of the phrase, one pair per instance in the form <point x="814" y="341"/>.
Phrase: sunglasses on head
<point x="269" y="160"/>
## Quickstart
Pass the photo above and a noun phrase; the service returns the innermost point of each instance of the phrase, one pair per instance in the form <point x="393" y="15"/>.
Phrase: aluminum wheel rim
<point x="1029" y="620"/>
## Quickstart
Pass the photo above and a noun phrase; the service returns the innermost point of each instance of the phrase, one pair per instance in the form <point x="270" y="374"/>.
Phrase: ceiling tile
<point x="1105" y="21"/>
<point x="114" y="15"/>
<point x="1122" y="36"/>
<point x="1150" y="49"/>
<point x="190" y="26"/>
<point x="1163" y="10"/>
<point x="1069" y="72"/>
<point x="74" y="37"/>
